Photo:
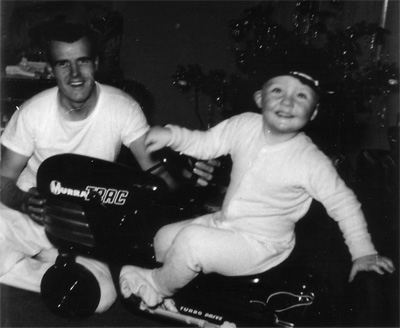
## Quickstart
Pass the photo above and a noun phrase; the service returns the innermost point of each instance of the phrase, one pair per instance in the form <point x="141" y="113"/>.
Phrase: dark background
<point x="159" y="35"/>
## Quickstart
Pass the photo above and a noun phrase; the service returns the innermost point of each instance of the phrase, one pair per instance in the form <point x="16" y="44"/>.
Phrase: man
<point x="78" y="116"/>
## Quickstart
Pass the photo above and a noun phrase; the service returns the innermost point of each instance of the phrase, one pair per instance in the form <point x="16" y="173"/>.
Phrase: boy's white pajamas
<point x="271" y="188"/>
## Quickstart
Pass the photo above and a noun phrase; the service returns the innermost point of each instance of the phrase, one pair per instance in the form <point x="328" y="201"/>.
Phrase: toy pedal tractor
<point x="111" y="212"/>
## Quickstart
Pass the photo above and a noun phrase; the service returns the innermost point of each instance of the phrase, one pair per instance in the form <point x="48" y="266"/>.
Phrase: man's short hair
<point x="70" y="33"/>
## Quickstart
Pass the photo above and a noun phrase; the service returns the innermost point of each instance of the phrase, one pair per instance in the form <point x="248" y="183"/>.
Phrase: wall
<point x="159" y="35"/>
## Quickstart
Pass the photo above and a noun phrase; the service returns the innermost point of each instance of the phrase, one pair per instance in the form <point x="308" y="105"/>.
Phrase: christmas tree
<point x="352" y="72"/>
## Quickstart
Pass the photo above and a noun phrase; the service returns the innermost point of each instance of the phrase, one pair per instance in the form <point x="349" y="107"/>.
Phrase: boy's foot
<point x="167" y="304"/>
<point x="139" y="282"/>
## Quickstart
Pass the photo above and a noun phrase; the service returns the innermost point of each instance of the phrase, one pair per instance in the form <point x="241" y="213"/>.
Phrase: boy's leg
<point x="138" y="281"/>
<point x="199" y="248"/>
<point x="165" y="236"/>
<point x="196" y="248"/>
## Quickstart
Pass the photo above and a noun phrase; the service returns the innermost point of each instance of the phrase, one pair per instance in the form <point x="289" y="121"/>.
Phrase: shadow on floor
<point x="20" y="308"/>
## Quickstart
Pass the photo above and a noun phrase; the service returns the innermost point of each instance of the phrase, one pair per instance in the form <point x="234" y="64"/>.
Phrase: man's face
<point x="287" y="105"/>
<point x="73" y="68"/>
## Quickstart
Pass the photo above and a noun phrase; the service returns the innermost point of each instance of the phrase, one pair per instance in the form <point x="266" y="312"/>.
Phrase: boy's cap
<point x="303" y="76"/>
<point x="307" y="80"/>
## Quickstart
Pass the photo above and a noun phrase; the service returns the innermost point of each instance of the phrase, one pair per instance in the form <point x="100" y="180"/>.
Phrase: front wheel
<point x="69" y="289"/>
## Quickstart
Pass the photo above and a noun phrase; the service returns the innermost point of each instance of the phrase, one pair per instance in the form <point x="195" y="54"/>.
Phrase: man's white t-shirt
<point x="37" y="129"/>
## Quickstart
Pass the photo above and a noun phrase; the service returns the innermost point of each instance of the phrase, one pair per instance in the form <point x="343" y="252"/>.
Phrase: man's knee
<point x="78" y="288"/>
<point x="101" y="271"/>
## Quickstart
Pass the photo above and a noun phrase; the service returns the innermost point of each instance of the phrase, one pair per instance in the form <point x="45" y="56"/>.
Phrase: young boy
<point x="277" y="171"/>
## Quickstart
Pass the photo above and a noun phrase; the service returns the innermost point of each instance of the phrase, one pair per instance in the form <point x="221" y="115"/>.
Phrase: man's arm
<point x="30" y="202"/>
<point x="11" y="166"/>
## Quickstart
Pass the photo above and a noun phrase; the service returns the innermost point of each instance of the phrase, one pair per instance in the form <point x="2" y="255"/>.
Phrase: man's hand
<point x="205" y="170"/>
<point x="157" y="138"/>
<point x="33" y="205"/>
<point x="375" y="262"/>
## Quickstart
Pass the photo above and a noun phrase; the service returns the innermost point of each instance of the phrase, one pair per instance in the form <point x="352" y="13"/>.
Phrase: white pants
<point x="26" y="254"/>
<point x="203" y="244"/>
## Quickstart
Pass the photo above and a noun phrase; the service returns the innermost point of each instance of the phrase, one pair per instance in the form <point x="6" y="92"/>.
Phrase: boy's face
<point x="73" y="68"/>
<point x="287" y="105"/>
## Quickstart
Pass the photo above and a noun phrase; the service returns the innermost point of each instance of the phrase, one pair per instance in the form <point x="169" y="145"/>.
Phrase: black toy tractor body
<point x="112" y="212"/>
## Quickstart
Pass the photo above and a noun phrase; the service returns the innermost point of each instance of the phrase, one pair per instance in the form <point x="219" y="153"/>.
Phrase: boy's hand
<point x="375" y="262"/>
<point x="157" y="138"/>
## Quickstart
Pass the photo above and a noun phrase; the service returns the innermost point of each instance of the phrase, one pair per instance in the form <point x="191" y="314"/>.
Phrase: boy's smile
<point x="287" y="105"/>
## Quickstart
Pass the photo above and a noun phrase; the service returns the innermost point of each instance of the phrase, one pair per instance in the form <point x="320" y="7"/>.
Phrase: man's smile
<point x="76" y="83"/>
